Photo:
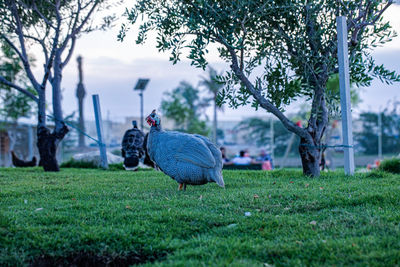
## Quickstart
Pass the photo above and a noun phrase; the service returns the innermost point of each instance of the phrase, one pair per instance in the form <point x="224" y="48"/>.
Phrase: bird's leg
<point x="180" y="187"/>
<point x="184" y="187"/>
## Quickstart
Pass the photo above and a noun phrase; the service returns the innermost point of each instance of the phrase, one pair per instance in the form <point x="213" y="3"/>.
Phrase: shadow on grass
<point x="82" y="259"/>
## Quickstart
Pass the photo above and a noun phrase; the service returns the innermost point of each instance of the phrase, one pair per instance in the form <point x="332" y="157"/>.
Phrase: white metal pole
<point x="30" y="142"/>
<point x="99" y="127"/>
<point x="1" y="152"/>
<point x="379" y="135"/>
<point x="344" y="82"/>
<point x="272" y="138"/>
<point x="141" y="109"/>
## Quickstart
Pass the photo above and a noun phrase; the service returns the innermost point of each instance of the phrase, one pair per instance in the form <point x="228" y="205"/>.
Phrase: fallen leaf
<point x="256" y="196"/>
<point x="299" y="242"/>
<point x="73" y="198"/>
<point x="274" y="183"/>
<point x="313" y="223"/>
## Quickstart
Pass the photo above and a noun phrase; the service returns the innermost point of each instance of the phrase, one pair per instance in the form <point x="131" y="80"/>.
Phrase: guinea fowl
<point x="186" y="158"/>
<point x="22" y="163"/>
<point x="134" y="148"/>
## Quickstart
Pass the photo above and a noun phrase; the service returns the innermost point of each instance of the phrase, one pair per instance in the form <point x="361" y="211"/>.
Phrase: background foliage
<point x="14" y="104"/>
<point x="185" y="107"/>
<point x="367" y="138"/>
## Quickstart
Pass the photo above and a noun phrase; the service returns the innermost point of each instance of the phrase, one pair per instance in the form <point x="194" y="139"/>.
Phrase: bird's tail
<point x="220" y="180"/>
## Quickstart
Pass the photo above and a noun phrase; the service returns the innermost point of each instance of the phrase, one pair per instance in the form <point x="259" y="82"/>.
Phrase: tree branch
<point x="13" y="46"/>
<point x="359" y="23"/>
<point x="70" y="52"/>
<point x="257" y="95"/>
<point x="42" y="44"/>
<point x="36" y="9"/>
<point x="23" y="55"/>
<point x="242" y="44"/>
<point x="322" y="125"/>
<point x="75" y="30"/>
<point x="50" y="59"/>
<point x="22" y="90"/>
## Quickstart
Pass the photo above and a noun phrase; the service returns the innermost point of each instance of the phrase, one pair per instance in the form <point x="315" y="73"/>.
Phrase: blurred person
<point x="242" y="159"/>
<point x="265" y="159"/>
<point x="225" y="159"/>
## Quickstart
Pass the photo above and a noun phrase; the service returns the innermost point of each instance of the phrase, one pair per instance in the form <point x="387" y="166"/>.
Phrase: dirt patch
<point x="82" y="259"/>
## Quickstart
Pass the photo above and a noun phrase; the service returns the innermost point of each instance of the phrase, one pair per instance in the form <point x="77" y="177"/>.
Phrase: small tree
<point x="294" y="42"/>
<point x="184" y="106"/>
<point x="54" y="26"/>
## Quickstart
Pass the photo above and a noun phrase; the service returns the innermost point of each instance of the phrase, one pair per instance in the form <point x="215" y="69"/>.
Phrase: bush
<point x="390" y="165"/>
<point x="78" y="164"/>
<point x="116" y="167"/>
<point x="90" y="165"/>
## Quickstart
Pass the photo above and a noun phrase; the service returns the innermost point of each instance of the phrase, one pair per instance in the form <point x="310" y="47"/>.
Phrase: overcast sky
<point x="111" y="69"/>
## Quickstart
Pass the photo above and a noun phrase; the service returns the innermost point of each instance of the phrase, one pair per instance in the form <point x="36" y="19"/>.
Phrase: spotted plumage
<point x="187" y="158"/>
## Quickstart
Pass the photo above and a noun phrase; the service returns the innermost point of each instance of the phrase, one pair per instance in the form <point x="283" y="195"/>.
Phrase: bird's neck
<point x="156" y="128"/>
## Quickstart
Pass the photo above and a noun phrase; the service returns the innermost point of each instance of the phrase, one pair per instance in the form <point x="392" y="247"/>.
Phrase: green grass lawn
<point x="95" y="217"/>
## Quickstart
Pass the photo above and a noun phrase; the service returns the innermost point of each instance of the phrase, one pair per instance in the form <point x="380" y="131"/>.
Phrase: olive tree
<point x="54" y="27"/>
<point x="294" y="43"/>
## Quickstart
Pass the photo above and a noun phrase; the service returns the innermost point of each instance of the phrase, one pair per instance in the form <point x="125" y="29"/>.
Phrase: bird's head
<point x="153" y="119"/>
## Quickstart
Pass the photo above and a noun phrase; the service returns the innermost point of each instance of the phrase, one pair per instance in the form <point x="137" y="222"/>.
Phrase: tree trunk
<point x="215" y="122"/>
<point x="310" y="156"/>
<point x="48" y="141"/>
<point x="47" y="145"/>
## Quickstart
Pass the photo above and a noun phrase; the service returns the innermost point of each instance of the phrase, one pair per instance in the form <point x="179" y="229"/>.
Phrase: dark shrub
<point x="390" y="165"/>
<point x="78" y="164"/>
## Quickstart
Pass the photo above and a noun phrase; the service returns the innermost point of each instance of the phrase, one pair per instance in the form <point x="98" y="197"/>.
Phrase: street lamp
<point x="140" y="86"/>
